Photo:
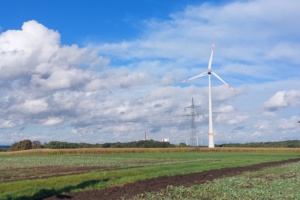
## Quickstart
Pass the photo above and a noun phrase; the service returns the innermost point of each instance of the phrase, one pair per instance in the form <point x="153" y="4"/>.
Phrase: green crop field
<point x="271" y="183"/>
<point x="35" y="176"/>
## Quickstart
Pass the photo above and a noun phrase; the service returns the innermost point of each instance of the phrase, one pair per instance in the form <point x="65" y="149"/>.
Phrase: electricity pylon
<point x="192" y="115"/>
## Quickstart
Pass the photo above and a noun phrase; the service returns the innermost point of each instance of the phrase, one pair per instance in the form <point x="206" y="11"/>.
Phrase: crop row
<point x="147" y="150"/>
<point x="271" y="183"/>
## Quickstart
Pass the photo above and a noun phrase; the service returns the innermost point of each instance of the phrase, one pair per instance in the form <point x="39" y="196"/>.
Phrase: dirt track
<point x="156" y="184"/>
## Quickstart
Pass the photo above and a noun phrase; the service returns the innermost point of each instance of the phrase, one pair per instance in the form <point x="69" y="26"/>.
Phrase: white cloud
<point x="230" y="119"/>
<point x="6" y="124"/>
<point x="224" y="108"/>
<point x="61" y="79"/>
<point x="263" y="125"/>
<point x="285" y="124"/>
<point x="35" y="51"/>
<point x="256" y="134"/>
<point x="32" y="45"/>
<point x="278" y="100"/>
<point x="53" y="121"/>
<point x="241" y="29"/>
<point x="283" y="99"/>
<point x="34" y="106"/>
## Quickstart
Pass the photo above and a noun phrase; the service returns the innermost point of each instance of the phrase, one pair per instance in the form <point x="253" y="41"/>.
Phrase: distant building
<point x="165" y="140"/>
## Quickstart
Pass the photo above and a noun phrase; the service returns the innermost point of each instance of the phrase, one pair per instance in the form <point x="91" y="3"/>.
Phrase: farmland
<point x="280" y="182"/>
<point x="42" y="173"/>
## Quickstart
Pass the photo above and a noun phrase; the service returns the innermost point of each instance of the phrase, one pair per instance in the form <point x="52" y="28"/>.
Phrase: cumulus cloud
<point x="283" y="99"/>
<point x="37" y="53"/>
<point x="230" y="119"/>
<point x="35" y="70"/>
<point x="34" y="106"/>
<point x="53" y="121"/>
<point x="61" y="79"/>
<point x="32" y="45"/>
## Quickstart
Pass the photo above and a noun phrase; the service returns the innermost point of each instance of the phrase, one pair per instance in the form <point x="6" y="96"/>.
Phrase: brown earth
<point x="156" y="184"/>
<point x="46" y="172"/>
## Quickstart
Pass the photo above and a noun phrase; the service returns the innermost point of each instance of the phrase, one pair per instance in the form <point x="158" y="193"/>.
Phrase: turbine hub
<point x="209" y="72"/>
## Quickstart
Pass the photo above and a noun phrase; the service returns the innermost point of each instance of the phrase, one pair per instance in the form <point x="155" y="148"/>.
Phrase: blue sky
<point x="107" y="71"/>
<point x="79" y="22"/>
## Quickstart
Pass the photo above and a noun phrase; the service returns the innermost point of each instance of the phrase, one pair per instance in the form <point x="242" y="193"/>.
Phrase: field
<point x="43" y="173"/>
<point x="280" y="182"/>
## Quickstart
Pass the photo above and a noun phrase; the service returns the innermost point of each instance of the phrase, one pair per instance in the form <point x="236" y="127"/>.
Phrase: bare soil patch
<point x="156" y="184"/>
<point x="46" y="172"/>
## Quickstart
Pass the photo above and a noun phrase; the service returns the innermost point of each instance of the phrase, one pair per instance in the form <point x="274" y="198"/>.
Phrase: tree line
<point x="4" y="148"/>
<point x="27" y="144"/>
<point x="281" y="144"/>
<point x="68" y="145"/>
<point x="139" y="144"/>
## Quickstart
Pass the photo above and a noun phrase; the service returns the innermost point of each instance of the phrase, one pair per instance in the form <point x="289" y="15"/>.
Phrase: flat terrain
<point x="156" y="184"/>
<point x="44" y="173"/>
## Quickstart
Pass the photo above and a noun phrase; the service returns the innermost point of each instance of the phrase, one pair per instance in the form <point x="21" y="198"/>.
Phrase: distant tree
<point x="4" y="148"/>
<point x="281" y="144"/>
<point x="67" y="145"/>
<point x="36" y="145"/>
<point x="26" y="144"/>
<point x="22" y="145"/>
<point x="106" y="145"/>
<point x="182" y="145"/>
<point x="138" y="144"/>
<point x="134" y="144"/>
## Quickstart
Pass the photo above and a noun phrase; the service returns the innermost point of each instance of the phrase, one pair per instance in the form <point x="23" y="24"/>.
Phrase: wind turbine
<point x="209" y="72"/>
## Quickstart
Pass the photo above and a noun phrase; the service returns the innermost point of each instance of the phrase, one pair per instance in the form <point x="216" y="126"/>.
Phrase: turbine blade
<point x="211" y="56"/>
<point x="216" y="75"/>
<point x="198" y="76"/>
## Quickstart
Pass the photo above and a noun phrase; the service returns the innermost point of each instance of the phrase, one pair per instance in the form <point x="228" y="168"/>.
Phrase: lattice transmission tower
<point x="193" y="115"/>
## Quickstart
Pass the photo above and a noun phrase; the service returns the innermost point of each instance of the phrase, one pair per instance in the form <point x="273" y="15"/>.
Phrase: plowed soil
<point x="156" y="184"/>
<point x="46" y="172"/>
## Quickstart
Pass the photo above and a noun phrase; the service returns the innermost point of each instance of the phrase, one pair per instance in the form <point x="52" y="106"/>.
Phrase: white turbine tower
<point x="209" y="72"/>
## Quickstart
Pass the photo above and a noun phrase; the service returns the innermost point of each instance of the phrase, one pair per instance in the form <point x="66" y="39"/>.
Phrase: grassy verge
<point x="165" y="164"/>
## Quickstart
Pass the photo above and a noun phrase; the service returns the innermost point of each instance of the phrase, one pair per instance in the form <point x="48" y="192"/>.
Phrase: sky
<point x="109" y="71"/>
